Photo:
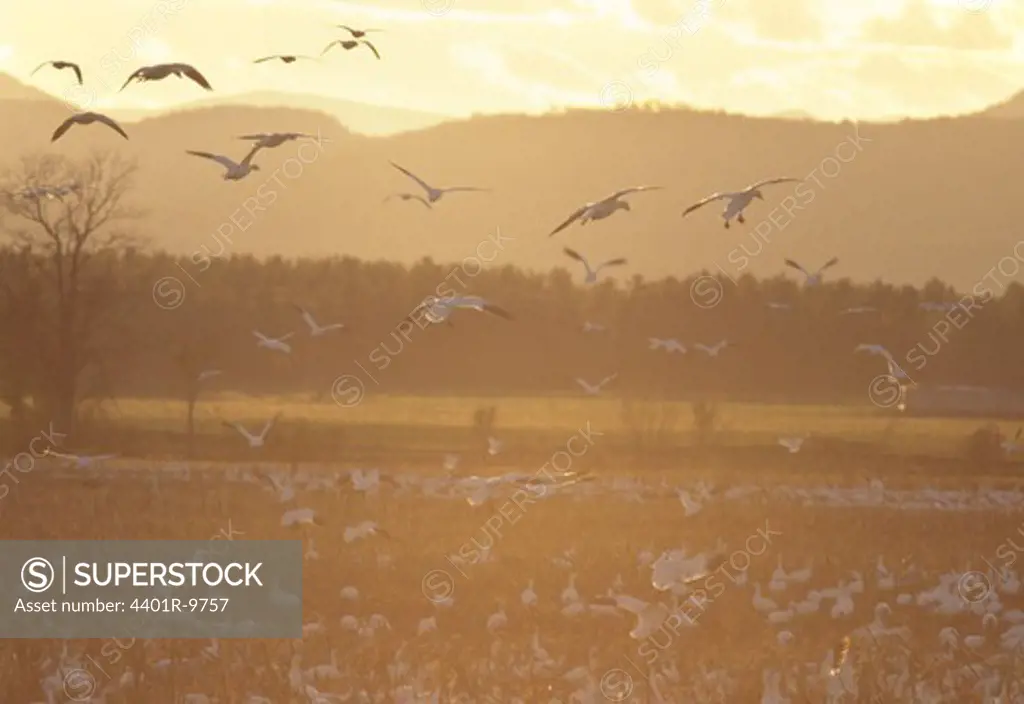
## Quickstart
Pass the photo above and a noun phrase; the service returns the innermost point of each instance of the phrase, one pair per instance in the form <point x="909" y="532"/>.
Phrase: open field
<point x="388" y="426"/>
<point x="451" y="567"/>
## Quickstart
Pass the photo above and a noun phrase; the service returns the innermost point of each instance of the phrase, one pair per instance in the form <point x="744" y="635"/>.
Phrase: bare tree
<point x="63" y="216"/>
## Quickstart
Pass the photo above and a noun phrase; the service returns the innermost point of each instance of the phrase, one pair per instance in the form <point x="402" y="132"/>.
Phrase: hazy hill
<point x="1011" y="108"/>
<point x="923" y="198"/>
<point x="358" y="117"/>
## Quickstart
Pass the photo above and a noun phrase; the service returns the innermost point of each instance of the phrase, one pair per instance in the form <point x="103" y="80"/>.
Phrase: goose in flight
<point x="62" y="65"/>
<point x="409" y="196"/>
<point x="273" y="343"/>
<point x="775" y="305"/>
<point x="712" y="351"/>
<point x="592" y="273"/>
<point x="86" y="118"/>
<point x="438" y="310"/>
<point x="669" y="345"/>
<point x="207" y="374"/>
<point x="595" y="389"/>
<point x="232" y="171"/>
<point x="739" y="200"/>
<point x="434" y="194"/>
<point x="357" y="33"/>
<point x="858" y="309"/>
<point x="349" y="44"/>
<point x="812" y="278"/>
<point x="593" y="327"/>
<point x="874" y="349"/>
<point x="255" y="441"/>
<point x="80" y="461"/>
<point x="600" y="209"/>
<point x="158" y="72"/>
<point x="270" y="140"/>
<point x="315" y="329"/>
<point x="284" y="58"/>
<point x="793" y="444"/>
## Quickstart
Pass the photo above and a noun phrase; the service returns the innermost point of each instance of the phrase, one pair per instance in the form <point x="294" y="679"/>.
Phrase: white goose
<point x="739" y="200"/>
<point x="434" y="194"/>
<point x="438" y="310"/>
<point x="793" y="444"/>
<point x="595" y="389"/>
<point x="315" y="329"/>
<point x="812" y="278"/>
<point x="712" y="350"/>
<point x="255" y="441"/>
<point x="233" y="171"/>
<point x="592" y="273"/>
<point x="273" y="343"/>
<point x="79" y="461"/>
<point x="601" y="209"/>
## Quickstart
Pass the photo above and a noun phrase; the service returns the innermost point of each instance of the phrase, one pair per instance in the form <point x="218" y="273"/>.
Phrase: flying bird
<point x="739" y="200"/>
<point x="600" y="209"/>
<point x="357" y="33"/>
<point x="284" y="58"/>
<point x="158" y="72"/>
<point x="233" y="171"/>
<point x="86" y="118"/>
<point x="80" y="461"/>
<point x="858" y="309"/>
<point x="592" y="273"/>
<point x="874" y="349"/>
<point x="274" y="139"/>
<point x="207" y="374"/>
<point x="793" y="444"/>
<point x="254" y="441"/>
<point x="712" y="351"/>
<point x="438" y="310"/>
<point x="273" y="343"/>
<point x="409" y="196"/>
<point x="434" y="194"/>
<point x="61" y="65"/>
<point x="669" y="345"/>
<point x="813" y="278"/>
<point x="349" y="44"/>
<point x="315" y="329"/>
<point x="595" y="389"/>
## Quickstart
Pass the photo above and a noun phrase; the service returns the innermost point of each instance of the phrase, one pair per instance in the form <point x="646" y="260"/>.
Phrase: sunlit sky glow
<point x="829" y="58"/>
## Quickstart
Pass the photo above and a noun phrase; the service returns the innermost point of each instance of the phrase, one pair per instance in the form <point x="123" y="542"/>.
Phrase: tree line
<point x="89" y="311"/>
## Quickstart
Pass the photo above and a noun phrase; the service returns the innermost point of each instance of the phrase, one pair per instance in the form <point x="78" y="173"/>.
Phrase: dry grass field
<point x="543" y="652"/>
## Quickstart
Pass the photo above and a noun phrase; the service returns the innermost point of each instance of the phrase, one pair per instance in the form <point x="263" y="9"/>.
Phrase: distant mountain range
<point x="912" y="200"/>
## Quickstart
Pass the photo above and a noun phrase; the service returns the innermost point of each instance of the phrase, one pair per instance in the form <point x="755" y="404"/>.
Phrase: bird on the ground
<point x="233" y="171"/>
<point x="61" y="65"/>
<point x="357" y="33"/>
<point x="739" y="200"/>
<point x="712" y="351"/>
<point x="158" y="72"/>
<point x="273" y="343"/>
<point x="284" y="58"/>
<point x="265" y="140"/>
<point x="592" y="272"/>
<point x="315" y="329"/>
<point x="348" y="44"/>
<point x="80" y="461"/>
<point x="409" y="196"/>
<point x="86" y="118"/>
<point x="812" y="278"/>
<point x="255" y="441"/>
<point x="600" y="209"/>
<point x="595" y="389"/>
<point x="438" y="310"/>
<point x="207" y="374"/>
<point x="434" y="194"/>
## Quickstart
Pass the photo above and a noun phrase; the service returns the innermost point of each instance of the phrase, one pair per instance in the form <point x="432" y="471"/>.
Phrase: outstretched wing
<point x="306" y="315"/>
<point x="479" y="304"/>
<point x="109" y="122"/>
<point x="769" y="181"/>
<point x="267" y="58"/>
<point x="614" y="262"/>
<point x="77" y="70"/>
<point x="372" y="48"/>
<point x="701" y="203"/>
<point x="792" y="264"/>
<point x="222" y="160"/>
<point x="423" y="184"/>
<point x="634" y="189"/>
<point x="572" y="253"/>
<point x="36" y="69"/>
<point x="830" y="263"/>
<point x="192" y="73"/>
<point x="62" y="128"/>
<point x="570" y="220"/>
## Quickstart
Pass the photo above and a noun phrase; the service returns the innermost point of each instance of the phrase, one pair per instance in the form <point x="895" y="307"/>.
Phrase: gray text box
<point x="199" y="588"/>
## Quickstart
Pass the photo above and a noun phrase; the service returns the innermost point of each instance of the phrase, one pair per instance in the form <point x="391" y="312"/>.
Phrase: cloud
<point x="785" y="20"/>
<point x="918" y="26"/>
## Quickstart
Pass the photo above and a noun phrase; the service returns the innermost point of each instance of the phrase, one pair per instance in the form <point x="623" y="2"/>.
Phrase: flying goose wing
<point x="794" y="265"/>
<point x="571" y="219"/>
<point x="194" y="74"/>
<point x="222" y="160"/>
<point x="701" y="203"/>
<point x="769" y="181"/>
<point x="423" y="184"/>
<point x="634" y="189"/>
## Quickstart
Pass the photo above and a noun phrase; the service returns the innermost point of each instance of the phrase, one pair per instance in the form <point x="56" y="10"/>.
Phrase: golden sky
<point x="830" y="58"/>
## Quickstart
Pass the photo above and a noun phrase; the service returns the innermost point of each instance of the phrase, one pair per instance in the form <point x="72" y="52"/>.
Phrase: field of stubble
<point x="581" y="657"/>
